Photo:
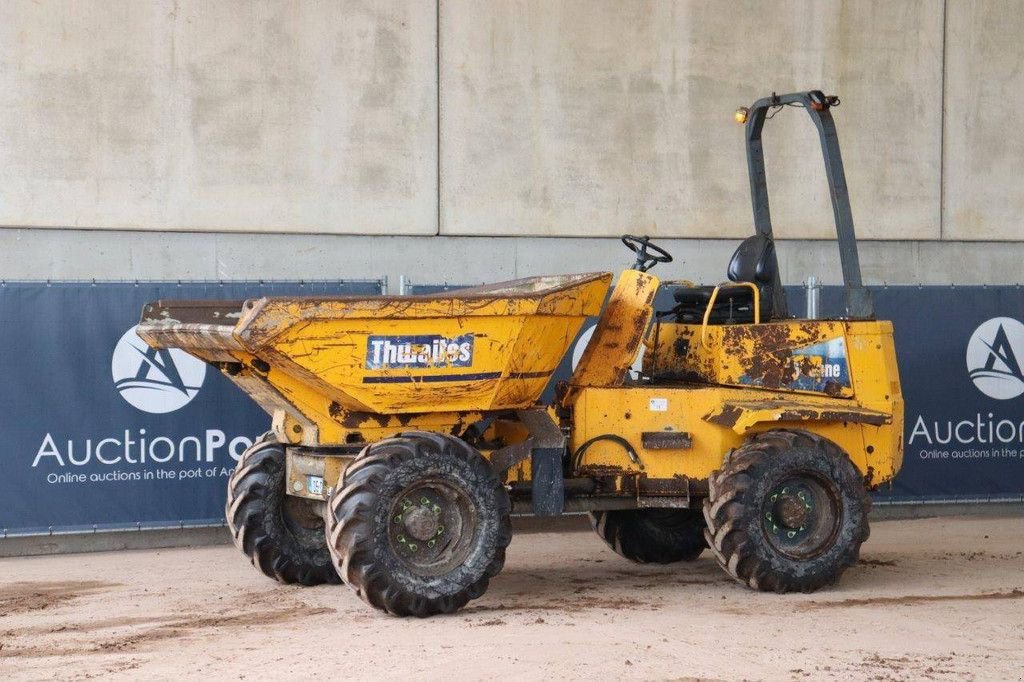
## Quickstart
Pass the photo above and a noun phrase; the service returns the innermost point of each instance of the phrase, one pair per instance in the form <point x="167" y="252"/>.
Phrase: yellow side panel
<point x="876" y="381"/>
<point x="619" y="333"/>
<point x="628" y="412"/>
<point x="348" y="361"/>
<point x="525" y="376"/>
<point x="769" y="355"/>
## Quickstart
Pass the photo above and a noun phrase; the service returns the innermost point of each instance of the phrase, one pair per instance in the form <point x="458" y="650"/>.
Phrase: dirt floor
<point x="936" y="599"/>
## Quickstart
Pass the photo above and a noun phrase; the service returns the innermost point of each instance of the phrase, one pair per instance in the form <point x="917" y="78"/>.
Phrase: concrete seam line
<point x="437" y="111"/>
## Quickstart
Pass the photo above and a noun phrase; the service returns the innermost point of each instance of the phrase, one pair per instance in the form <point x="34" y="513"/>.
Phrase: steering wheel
<point x="644" y="260"/>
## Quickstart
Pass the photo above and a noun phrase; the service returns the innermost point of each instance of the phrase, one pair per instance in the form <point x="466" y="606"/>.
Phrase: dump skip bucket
<point x="479" y="349"/>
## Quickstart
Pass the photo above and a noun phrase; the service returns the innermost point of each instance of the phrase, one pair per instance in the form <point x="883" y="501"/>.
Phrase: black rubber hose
<point x="577" y="456"/>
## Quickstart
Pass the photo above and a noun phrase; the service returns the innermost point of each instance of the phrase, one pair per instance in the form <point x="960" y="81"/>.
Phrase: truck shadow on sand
<point x="595" y="584"/>
<point x="615" y="584"/>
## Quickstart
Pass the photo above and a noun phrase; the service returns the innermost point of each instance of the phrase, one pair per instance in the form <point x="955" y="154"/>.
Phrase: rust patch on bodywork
<point x="779" y="356"/>
<point x="727" y="416"/>
<point x="857" y="417"/>
<point x="741" y="416"/>
<point x="771" y="365"/>
<point x="353" y="420"/>
<point x="599" y="470"/>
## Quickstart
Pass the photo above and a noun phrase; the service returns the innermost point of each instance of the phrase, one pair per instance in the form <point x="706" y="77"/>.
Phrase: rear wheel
<point x="657" y="536"/>
<point x="419" y="524"/>
<point x="787" y="512"/>
<point x="282" y="535"/>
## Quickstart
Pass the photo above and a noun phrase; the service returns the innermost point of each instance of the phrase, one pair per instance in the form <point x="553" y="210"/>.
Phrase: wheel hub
<point x="300" y="515"/>
<point x="800" y="516"/>
<point x="421" y="523"/>
<point x="427" y="525"/>
<point x="791" y="511"/>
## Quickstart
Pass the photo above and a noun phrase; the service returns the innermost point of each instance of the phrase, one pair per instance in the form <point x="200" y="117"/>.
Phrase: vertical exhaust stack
<point x="813" y="290"/>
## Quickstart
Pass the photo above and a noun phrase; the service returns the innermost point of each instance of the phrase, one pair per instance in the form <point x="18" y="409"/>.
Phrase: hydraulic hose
<point x="577" y="456"/>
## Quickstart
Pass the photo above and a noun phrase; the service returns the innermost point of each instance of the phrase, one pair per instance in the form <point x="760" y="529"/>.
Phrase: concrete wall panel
<point x="127" y="255"/>
<point x="230" y="115"/>
<point x="601" y="117"/>
<point x="984" y="143"/>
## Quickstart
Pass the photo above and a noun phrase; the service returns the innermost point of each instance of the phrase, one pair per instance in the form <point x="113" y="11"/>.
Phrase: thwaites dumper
<point x="407" y="429"/>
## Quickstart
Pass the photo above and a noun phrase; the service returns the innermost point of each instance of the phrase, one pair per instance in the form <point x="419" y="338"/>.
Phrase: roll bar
<point x="859" y="304"/>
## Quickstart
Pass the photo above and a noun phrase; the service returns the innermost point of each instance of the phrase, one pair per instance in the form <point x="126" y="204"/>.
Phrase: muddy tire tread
<point x="255" y="494"/>
<point x="354" y="511"/>
<point x="734" y="548"/>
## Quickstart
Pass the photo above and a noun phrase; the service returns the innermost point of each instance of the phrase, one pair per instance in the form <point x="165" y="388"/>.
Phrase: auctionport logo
<point x="992" y="358"/>
<point x="155" y="381"/>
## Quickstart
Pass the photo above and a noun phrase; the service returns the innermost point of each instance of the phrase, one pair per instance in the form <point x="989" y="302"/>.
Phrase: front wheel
<point x="282" y="535"/>
<point x="787" y="512"/>
<point x="419" y="524"/>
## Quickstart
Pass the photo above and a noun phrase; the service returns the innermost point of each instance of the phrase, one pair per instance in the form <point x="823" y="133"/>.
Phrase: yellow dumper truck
<point x="405" y="430"/>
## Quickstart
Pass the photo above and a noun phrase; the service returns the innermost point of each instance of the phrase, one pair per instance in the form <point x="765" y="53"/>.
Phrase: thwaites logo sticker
<point x="817" y="367"/>
<point x="821" y="364"/>
<point x="419" y="352"/>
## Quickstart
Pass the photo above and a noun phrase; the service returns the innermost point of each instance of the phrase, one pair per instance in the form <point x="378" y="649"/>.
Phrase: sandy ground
<point x="937" y="599"/>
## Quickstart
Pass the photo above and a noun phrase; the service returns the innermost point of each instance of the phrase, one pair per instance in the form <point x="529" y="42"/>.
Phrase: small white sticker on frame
<point x="659" y="405"/>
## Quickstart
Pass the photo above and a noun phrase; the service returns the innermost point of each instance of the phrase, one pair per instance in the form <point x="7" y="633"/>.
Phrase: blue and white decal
<point x="820" y="364"/>
<point x="419" y="352"/>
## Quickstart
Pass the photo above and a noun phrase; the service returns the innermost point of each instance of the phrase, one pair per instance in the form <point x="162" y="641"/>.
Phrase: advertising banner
<point x="102" y="432"/>
<point x="960" y="351"/>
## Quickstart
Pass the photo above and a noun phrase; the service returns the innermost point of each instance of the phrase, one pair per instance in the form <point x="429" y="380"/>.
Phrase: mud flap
<point x="548" y="484"/>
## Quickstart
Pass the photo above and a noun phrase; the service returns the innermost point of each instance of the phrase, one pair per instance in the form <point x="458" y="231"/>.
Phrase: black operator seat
<point x="753" y="261"/>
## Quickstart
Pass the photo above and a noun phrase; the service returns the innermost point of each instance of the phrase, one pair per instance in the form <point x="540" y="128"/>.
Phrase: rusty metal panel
<point x="742" y="416"/>
<point x="619" y="333"/>
<point x="799" y="355"/>
<point x="312" y="474"/>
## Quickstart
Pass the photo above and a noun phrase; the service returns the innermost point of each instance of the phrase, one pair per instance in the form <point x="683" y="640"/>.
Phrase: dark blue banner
<point x="960" y="351"/>
<point x="100" y="431"/>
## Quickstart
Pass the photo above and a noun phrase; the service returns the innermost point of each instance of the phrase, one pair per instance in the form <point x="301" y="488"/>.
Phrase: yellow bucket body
<point x="323" y="360"/>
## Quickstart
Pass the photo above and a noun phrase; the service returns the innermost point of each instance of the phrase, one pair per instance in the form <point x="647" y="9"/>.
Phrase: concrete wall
<point x="983" y="181"/>
<point x="602" y="117"/>
<point x="78" y="254"/>
<point x="123" y="121"/>
<point x="227" y="115"/>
